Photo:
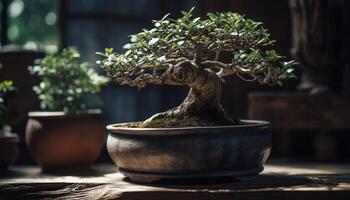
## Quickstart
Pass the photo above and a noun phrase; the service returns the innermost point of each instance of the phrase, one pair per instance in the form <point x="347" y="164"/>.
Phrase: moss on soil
<point x="176" y="122"/>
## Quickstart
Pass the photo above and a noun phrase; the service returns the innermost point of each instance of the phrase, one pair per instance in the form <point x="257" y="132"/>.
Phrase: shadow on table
<point x="79" y="172"/>
<point x="261" y="182"/>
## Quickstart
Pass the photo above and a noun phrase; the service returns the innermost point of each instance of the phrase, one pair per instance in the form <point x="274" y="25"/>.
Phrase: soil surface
<point x="177" y="122"/>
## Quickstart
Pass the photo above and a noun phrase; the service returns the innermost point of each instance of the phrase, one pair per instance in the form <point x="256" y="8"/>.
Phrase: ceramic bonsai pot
<point x="149" y="154"/>
<point x="62" y="141"/>
<point x="8" y="150"/>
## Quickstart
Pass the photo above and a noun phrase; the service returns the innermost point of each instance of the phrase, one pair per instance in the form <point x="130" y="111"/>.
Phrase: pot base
<point x="146" y="177"/>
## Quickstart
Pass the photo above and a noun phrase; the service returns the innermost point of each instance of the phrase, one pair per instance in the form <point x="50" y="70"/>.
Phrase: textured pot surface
<point x="59" y="140"/>
<point x="8" y="149"/>
<point x="190" y="152"/>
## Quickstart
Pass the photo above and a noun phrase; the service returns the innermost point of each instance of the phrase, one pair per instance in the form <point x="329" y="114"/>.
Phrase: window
<point x="32" y="24"/>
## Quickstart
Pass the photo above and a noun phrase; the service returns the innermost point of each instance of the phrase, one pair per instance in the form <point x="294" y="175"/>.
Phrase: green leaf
<point x="196" y="20"/>
<point x="153" y="41"/>
<point x="157" y="24"/>
<point x="127" y="46"/>
<point x="184" y="13"/>
<point x="279" y="83"/>
<point x="101" y="54"/>
<point x="212" y="16"/>
<point x="180" y="43"/>
<point x="191" y="10"/>
<point x="108" y="51"/>
<point x="290" y="70"/>
<point x="165" y="16"/>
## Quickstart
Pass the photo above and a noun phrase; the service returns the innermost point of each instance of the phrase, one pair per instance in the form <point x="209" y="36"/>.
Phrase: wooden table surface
<point x="280" y="180"/>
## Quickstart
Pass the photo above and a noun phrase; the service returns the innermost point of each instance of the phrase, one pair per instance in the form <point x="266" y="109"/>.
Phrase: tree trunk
<point x="202" y="101"/>
<point x="204" y="96"/>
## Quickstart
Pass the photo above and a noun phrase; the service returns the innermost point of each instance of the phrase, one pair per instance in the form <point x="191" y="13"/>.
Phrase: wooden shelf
<point x="300" y="111"/>
<point x="280" y="180"/>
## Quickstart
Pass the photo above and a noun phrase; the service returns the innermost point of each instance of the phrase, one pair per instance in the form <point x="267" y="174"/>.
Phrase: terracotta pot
<point x="8" y="150"/>
<point x="59" y="140"/>
<point x="149" y="154"/>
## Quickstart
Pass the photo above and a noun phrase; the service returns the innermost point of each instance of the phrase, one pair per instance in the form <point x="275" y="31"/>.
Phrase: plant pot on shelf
<point x="8" y="150"/>
<point x="61" y="141"/>
<point x="149" y="154"/>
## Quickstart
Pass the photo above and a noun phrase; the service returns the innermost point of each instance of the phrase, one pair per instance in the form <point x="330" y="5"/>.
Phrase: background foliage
<point x="65" y="82"/>
<point x="5" y="86"/>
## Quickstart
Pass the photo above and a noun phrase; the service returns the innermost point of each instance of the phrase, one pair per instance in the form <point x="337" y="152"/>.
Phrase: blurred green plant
<point x="5" y="87"/>
<point x="65" y="81"/>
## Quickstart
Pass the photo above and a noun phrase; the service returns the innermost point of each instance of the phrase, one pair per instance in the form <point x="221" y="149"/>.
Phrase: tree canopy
<point x="201" y="42"/>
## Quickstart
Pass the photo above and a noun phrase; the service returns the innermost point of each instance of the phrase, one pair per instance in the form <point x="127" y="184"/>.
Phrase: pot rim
<point x="46" y="114"/>
<point x="250" y="124"/>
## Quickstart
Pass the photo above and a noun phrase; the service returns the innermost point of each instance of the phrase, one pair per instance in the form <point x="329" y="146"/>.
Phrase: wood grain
<point x="278" y="181"/>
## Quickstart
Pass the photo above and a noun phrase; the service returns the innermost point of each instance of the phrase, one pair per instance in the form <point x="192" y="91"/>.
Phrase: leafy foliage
<point x="5" y="86"/>
<point x="200" y="41"/>
<point x="65" y="82"/>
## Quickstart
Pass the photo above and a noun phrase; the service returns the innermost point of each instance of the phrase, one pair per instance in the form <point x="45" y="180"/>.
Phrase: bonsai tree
<point x="190" y="52"/>
<point x="65" y="82"/>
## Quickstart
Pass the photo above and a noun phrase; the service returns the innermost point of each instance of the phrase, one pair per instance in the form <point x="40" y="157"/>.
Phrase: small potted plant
<point x="67" y="134"/>
<point x="197" y="138"/>
<point x="8" y="141"/>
